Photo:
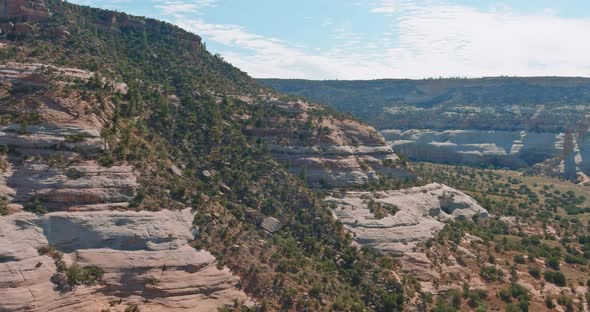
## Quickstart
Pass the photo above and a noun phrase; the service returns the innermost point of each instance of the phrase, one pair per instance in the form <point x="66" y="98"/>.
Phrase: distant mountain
<point x="483" y="103"/>
<point x="498" y="122"/>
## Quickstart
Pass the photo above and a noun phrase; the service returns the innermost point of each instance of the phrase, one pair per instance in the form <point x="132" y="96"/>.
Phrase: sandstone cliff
<point x="50" y="163"/>
<point x="326" y="150"/>
<point x="145" y="257"/>
<point x="25" y="9"/>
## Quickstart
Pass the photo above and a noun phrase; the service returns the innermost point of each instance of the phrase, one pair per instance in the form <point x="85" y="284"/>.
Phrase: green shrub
<point x="73" y="174"/>
<point x="36" y="207"/>
<point x="552" y="263"/>
<point x="88" y="275"/>
<point x="519" y="259"/>
<point x="74" y="138"/>
<point x="3" y="205"/>
<point x="132" y="308"/>
<point x="491" y="273"/>
<point x="549" y="302"/>
<point x="505" y="295"/>
<point x="555" y="277"/>
<point x="534" y="271"/>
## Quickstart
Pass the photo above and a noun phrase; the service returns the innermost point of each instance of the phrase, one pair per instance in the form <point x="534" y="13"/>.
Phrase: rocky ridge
<point x="50" y="163"/>
<point x="25" y="9"/>
<point x="326" y="151"/>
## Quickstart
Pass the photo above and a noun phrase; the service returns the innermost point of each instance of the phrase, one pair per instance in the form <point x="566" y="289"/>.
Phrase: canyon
<point x="141" y="172"/>
<point x="490" y="122"/>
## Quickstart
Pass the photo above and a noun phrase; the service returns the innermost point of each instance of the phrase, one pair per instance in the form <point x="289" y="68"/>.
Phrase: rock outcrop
<point x="583" y="140"/>
<point x="145" y="257"/>
<point x="574" y="161"/>
<point x="325" y="150"/>
<point x="24" y="9"/>
<point x="419" y="213"/>
<point x="50" y="146"/>
<point x="52" y="159"/>
<point x="271" y="224"/>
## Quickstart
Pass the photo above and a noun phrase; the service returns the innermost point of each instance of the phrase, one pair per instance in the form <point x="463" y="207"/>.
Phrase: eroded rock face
<point x="82" y="186"/>
<point x="60" y="175"/>
<point x="53" y="159"/>
<point x="29" y="9"/>
<point x="327" y="151"/>
<point x="514" y="149"/>
<point x="420" y="212"/>
<point x="145" y="257"/>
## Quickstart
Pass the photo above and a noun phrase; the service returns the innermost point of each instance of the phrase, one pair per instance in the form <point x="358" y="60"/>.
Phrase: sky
<point x="372" y="39"/>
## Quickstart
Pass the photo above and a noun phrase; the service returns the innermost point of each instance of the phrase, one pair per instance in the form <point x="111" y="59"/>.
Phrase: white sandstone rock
<point x="421" y="213"/>
<point x="145" y="256"/>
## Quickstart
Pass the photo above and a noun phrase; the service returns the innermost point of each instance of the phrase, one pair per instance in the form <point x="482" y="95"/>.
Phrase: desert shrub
<point x="534" y="271"/>
<point x="549" y="302"/>
<point x="505" y="295"/>
<point x="88" y="275"/>
<point x="491" y="273"/>
<point x="555" y="277"/>
<point x="519" y="259"/>
<point x="73" y="174"/>
<point x="552" y="263"/>
<point x="36" y="207"/>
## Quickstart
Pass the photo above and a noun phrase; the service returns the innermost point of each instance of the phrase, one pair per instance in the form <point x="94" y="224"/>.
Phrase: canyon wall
<point x="325" y="150"/>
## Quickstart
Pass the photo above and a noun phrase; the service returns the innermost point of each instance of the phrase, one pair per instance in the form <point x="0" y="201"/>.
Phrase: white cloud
<point x="461" y="41"/>
<point x="171" y="7"/>
<point x="385" y="6"/>
<point x="424" y="41"/>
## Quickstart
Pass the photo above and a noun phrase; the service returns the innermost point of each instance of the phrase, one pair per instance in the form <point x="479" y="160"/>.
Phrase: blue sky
<point x="369" y="39"/>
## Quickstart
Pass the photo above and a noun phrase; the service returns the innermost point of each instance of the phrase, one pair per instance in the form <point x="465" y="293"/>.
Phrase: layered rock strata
<point x="514" y="149"/>
<point x="28" y="9"/>
<point x="145" y="257"/>
<point x="327" y="151"/>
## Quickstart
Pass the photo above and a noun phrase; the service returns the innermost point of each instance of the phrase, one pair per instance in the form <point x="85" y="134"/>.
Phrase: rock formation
<point x="24" y="9"/>
<point x="145" y="257"/>
<point x="50" y="163"/>
<point x="513" y="149"/>
<point x="583" y="140"/>
<point x="63" y="173"/>
<point x="496" y="121"/>
<point x="574" y="162"/>
<point x="327" y="151"/>
<point x="569" y="156"/>
<point x="271" y="224"/>
<point x="420" y="212"/>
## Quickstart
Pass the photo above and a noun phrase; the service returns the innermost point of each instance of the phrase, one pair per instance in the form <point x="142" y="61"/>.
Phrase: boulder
<point x="271" y="224"/>
<point x="175" y="170"/>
